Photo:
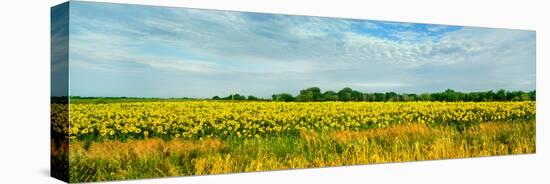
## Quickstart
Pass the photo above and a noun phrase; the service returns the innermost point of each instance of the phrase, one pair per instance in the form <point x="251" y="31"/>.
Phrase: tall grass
<point x="133" y="159"/>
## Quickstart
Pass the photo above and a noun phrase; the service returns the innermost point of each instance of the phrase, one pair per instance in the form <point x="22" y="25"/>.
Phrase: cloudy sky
<point x="146" y="51"/>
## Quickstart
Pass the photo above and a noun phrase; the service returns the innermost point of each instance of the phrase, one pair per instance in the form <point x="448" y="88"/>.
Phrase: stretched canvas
<point x="147" y="91"/>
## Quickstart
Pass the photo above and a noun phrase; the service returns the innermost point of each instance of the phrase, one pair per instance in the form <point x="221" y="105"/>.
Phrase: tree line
<point x="240" y="97"/>
<point x="314" y="94"/>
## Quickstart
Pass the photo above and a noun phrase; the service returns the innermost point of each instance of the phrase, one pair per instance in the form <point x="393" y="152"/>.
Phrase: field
<point x="130" y="140"/>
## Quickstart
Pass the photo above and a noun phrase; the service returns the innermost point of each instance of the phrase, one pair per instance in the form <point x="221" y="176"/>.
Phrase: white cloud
<point x="408" y="35"/>
<point x="312" y="50"/>
<point x="369" y="25"/>
<point x="400" y="24"/>
<point x="199" y="67"/>
<point x="437" y="28"/>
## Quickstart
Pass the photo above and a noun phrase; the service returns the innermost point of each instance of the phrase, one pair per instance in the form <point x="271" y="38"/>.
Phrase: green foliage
<point x="283" y="97"/>
<point x="330" y="96"/>
<point x="345" y="94"/>
<point x="253" y="98"/>
<point x="314" y="94"/>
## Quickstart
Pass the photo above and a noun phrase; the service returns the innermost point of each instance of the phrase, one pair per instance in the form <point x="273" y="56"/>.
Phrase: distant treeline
<point x="240" y="97"/>
<point x="314" y="94"/>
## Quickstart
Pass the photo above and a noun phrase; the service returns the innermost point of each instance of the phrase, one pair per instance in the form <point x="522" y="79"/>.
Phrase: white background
<point x="24" y="90"/>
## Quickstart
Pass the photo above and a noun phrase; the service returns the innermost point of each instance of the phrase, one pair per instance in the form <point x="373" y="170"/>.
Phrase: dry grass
<point x="111" y="160"/>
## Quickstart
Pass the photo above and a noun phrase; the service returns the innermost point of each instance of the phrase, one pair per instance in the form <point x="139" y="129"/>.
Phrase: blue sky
<point x="147" y="51"/>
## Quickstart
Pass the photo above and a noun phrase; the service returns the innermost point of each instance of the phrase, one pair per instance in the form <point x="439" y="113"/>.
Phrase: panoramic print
<point x="147" y="91"/>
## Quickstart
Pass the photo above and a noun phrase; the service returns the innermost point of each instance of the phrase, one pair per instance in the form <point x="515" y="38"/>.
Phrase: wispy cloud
<point x="437" y="28"/>
<point x="199" y="67"/>
<point x="270" y="51"/>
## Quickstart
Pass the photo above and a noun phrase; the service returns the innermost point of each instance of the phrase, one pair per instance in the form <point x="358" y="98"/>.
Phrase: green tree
<point x="392" y="96"/>
<point x="252" y="98"/>
<point x="330" y="96"/>
<point x="235" y="97"/>
<point x="345" y="94"/>
<point x="283" y="97"/>
<point x="379" y="97"/>
<point x="500" y="95"/>
<point x="316" y="93"/>
<point x="356" y="95"/>
<point x="305" y="96"/>
<point x="425" y="97"/>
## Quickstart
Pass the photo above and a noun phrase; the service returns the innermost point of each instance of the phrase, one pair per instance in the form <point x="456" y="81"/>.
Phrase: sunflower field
<point x="211" y="119"/>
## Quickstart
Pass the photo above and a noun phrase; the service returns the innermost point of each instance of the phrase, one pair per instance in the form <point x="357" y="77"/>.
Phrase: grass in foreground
<point x="133" y="159"/>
